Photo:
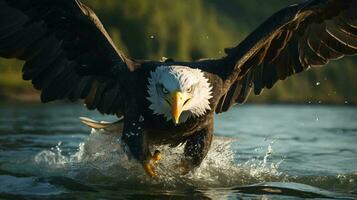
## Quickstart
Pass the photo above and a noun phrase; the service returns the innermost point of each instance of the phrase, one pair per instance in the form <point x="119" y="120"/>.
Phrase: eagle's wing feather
<point x="67" y="52"/>
<point x="294" y="39"/>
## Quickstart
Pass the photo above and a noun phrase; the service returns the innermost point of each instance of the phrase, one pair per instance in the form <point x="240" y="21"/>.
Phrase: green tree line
<point x="192" y="29"/>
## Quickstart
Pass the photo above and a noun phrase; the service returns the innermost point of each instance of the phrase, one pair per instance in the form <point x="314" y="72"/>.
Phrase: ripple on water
<point x="27" y="186"/>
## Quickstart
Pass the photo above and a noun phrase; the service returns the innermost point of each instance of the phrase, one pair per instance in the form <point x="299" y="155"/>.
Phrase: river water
<point x="259" y="152"/>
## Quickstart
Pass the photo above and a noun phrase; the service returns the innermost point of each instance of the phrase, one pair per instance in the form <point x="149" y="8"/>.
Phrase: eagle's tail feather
<point x="110" y="128"/>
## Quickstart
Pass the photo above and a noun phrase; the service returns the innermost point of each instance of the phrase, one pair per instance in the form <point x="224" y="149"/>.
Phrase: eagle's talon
<point x="156" y="157"/>
<point x="150" y="169"/>
<point x="149" y="163"/>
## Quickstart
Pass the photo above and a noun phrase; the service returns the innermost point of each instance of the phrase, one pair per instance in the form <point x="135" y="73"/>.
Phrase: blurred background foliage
<point x="192" y="29"/>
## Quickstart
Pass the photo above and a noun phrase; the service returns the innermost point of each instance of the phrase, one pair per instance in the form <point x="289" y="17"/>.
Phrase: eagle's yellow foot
<point x="150" y="169"/>
<point x="157" y="156"/>
<point x="149" y="164"/>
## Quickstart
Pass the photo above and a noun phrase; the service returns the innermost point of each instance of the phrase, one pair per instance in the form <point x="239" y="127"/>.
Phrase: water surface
<point x="259" y="152"/>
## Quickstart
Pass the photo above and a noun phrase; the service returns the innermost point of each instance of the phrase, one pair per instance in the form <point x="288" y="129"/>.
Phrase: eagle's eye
<point x="164" y="90"/>
<point x="189" y="90"/>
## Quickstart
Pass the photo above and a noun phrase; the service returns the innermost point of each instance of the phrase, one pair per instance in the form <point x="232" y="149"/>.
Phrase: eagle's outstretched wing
<point x="294" y="39"/>
<point x="67" y="52"/>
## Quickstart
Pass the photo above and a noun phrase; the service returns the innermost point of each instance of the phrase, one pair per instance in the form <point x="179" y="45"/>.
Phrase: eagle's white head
<point x="179" y="92"/>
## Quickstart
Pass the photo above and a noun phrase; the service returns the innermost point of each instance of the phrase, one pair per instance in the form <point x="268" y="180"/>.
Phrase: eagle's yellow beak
<point x="178" y="100"/>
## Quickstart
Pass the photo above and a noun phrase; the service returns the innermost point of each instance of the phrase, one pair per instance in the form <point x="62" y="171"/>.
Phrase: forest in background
<point x="192" y="29"/>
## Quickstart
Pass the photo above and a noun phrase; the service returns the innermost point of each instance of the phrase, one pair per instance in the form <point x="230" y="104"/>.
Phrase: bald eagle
<point x="69" y="55"/>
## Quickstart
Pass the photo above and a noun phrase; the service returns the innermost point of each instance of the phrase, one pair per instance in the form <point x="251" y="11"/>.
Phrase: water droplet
<point x="267" y="155"/>
<point x="141" y="118"/>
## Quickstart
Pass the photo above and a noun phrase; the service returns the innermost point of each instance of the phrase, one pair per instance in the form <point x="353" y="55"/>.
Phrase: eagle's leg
<point x="196" y="149"/>
<point x="139" y="149"/>
<point x="135" y="138"/>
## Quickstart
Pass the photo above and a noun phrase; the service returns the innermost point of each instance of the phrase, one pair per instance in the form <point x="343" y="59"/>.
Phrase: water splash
<point x="103" y="158"/>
